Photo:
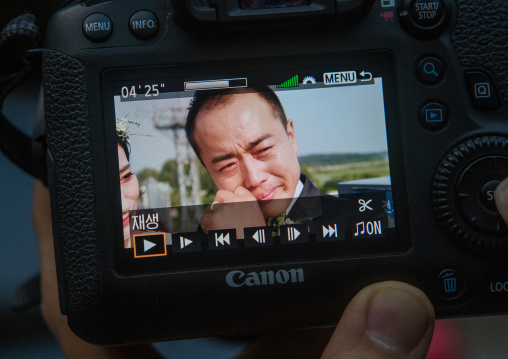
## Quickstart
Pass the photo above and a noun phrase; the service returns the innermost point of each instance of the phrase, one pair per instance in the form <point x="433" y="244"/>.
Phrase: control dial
<point x="463" y="194"/>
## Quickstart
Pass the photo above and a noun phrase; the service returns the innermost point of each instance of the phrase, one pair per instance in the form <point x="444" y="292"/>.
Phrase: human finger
<point x="386" y="320"/>
<point x="502" y="199"/>
<point x="224" y="196"/>
<point x="243" y="194"/>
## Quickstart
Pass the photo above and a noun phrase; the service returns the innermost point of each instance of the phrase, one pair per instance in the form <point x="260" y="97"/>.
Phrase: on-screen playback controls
<point x="368" y="220"/>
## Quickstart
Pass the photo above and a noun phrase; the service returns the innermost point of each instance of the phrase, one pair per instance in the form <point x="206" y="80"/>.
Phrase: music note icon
<point x="358" y="228"/>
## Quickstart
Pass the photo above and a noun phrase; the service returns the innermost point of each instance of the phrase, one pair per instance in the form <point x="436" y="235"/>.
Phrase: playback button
<point x="149" y="245"/>
<point x="433" y="116"/>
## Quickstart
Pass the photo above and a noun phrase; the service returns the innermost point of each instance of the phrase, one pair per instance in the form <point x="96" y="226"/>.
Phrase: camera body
<point x="441" y="91"/>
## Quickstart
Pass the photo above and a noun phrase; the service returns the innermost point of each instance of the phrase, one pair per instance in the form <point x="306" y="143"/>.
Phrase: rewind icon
<point x="222" y="239"/>
<point x="258" y="236"/>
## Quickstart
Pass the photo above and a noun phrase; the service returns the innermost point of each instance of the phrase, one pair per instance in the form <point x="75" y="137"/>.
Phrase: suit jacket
<point x="319" y="206"/>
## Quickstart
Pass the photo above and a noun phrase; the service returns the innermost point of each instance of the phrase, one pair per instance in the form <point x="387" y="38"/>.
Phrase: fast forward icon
<point x="330" y="231"/>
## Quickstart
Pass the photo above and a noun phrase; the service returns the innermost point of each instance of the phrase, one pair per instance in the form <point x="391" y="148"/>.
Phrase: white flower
<point x="122" y="128"/>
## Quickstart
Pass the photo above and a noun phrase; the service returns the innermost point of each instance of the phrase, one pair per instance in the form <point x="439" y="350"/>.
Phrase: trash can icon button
<point x="450" y="284"/>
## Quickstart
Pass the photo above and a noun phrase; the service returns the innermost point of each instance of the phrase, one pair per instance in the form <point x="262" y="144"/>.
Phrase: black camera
<point x="230" y="167"/>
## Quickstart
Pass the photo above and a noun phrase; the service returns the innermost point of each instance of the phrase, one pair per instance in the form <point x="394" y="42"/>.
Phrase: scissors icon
<point x="430" y="69"/>
<point x="364" y="205"/>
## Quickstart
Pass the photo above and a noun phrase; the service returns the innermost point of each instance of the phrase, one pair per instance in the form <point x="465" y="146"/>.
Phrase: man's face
<point x="242" y="142"/>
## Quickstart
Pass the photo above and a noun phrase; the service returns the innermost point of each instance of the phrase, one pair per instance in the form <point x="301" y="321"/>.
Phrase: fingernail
<point x="397" y="320"/>
<point x="502" y="198"/>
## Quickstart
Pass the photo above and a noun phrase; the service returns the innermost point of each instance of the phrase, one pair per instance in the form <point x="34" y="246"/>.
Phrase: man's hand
<point x="238" y="209"/>
<point x="72" y="346"/>
<point x="389" y="320"/>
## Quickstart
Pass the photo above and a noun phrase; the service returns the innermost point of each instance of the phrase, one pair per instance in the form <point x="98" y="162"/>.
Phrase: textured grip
<point x="69" y="141"/>
<point x="481" y="36"/>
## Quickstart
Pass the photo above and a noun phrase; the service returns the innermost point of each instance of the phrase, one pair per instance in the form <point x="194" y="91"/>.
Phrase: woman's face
<point x="129" y="187"/>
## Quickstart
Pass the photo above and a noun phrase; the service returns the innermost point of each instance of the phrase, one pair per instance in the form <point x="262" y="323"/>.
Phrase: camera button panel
<point x="482" y="91"/>
<point x="97" y="27"/>
<point x="144" y="24"/>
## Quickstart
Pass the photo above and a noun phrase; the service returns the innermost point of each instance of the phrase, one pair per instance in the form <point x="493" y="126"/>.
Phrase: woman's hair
<point x="125" y="145"/>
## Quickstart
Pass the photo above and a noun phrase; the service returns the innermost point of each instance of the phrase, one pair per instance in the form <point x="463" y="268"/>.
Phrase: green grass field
<point x="326" y="176"/>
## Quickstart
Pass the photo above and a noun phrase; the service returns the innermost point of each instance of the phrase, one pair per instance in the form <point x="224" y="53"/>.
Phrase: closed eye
<point x="127" y="177"/>
<point x="227" y="167"/>
<point x="264" y="150"/>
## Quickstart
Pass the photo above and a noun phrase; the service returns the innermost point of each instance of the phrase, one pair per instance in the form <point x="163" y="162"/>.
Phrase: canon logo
<point x="238" y="278"/>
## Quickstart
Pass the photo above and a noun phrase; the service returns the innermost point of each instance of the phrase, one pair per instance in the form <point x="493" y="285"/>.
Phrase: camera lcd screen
<point x="252" y="165"/>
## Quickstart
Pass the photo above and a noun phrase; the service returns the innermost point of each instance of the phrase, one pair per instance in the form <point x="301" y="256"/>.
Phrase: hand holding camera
<point x="405" y="307"/>
<point x="386" y="164"/>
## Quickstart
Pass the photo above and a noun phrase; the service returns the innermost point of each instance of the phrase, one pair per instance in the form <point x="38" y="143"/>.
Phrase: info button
<point x="433" y="116"/>
<point x="144" y="24"/>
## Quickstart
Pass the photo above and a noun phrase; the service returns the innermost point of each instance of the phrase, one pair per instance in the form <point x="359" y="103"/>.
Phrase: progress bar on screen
<point x="215" y="84"/>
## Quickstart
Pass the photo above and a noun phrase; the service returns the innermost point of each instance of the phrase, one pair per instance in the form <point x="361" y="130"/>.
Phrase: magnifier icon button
<point x="430" y="70"/>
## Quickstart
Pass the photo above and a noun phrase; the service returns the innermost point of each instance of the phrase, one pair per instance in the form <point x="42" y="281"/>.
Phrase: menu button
<point x="97" y="27"/>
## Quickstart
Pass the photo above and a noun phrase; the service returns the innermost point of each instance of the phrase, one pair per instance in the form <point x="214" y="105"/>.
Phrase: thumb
<point x="384" y="321"/>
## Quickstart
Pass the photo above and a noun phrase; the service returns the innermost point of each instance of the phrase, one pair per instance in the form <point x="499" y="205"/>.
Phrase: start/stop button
<point x="427" y="13"/>
<point x="425" y="19"/>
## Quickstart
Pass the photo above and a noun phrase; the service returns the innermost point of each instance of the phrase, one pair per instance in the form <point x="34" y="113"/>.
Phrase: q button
<point x="430" y="70"/>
